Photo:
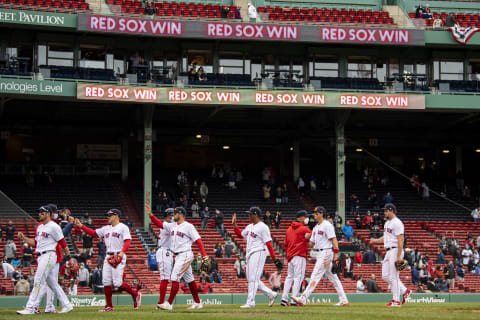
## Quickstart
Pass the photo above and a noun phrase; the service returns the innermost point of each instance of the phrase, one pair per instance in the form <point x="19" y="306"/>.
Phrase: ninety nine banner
<point x="285" y="99"/>
<point x="249" y="31"/>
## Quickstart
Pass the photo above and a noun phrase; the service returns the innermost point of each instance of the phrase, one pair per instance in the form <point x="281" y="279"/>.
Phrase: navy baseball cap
<point x="113" y="212"/>
<point x="180" y="210"/>
<point x="45" y="208"/>
<point x="301" y="213"/>
<point x="169" y="212"/>
<point x="254" y="210"/>
<point x="390" y="207"/>
<point x="53" y="207"/>
<point x="319" y="209"/>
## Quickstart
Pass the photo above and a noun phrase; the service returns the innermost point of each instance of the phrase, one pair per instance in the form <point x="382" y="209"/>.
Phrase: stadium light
<point x="446" y="151"/>
<point x="198" y="136"/>
<point x="359" y="150"/>
<point x="291" y="148"/>
<point x="226" y="147"/>
<point x="477" y="150"/>
<point x="421" y="159"/>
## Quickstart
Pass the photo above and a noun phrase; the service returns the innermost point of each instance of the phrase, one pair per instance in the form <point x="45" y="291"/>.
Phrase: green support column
<point x="147" y="161"/>
<point x="466" y="64"/>
<point x="341" y="119"/>
<point x="343" y="67"/>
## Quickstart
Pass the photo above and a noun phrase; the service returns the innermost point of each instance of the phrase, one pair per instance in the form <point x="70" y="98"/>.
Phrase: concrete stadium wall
<point x="318" y="4"/>
<point x="218" y="299"/>
<point x="441" y="6"/>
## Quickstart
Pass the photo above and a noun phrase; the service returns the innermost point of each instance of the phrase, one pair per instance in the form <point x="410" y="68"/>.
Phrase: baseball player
<point x="296" y="246"/>
<point x="393" y="243"/>
<point x="324" y="242"/>
<point x="117" y="241"/>
<point x="182" y="235"/>
<point x="164" y="254"/>
<point x="47" y="236"/>
<point x="258" y="236"/>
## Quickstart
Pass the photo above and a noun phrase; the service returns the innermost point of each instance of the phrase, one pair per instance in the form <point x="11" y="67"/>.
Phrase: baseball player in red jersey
<point x="47" y="236"/>
<point x="182" y="235"/>
<point x="296" y="246"/>
<point x="117" y="241"/>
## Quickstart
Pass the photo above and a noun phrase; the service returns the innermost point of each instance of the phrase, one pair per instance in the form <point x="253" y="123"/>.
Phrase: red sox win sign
<point x="249" y="31"/>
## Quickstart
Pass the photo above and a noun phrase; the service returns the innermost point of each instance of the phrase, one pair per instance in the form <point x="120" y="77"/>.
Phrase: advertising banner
<point x="252" y="97"/>
<point x="38" y="18"/>
<point x="99" y="151"/>
<point x="37" y="87"/>
<point x="249" y="31"/>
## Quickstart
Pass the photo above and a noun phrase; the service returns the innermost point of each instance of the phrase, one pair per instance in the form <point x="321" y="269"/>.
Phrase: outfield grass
<point x="355" y="311"/>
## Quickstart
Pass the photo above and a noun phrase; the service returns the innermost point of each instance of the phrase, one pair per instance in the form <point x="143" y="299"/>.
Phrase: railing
<point x="58" y="170"/>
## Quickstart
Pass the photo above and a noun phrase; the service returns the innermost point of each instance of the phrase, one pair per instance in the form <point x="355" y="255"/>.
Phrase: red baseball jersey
<point x="295" y="242"/>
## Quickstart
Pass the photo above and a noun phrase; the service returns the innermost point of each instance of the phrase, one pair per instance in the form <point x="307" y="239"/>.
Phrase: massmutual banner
<point x="37" y="18"/>
<point x="245" y="97"/>
<point x="248" y="31"/>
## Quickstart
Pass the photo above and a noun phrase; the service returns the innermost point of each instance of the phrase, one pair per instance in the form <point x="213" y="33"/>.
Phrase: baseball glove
<point x="401" y="265"/>
<point x="278" y="263"/>
<point x="114" y="260"/>
<point x="206" y="264"/>
<point x="336" y="268"/>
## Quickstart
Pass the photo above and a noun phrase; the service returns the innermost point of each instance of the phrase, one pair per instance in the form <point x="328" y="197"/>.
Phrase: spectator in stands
<point x="419" y="11"/>
<point x="204" y="276"/>
<point x="10" y="231"/>
<point x="8" y="269"/>
<point x="449" y="272"/>
<point x="466" y="254"/>
<point x="229" y="247"/>
<point x="301" y="186"/>
<point x="204" y="287"/>
<point x="475" y="257"/>
<point x="215" y="277"/>
<point x="427" y="13"/>
<point x="237" y="13"/>
<point x="16" y="262"/>
<point x="275" y="281"/>
<point x="347" y="231"/>
<point x="102" y="251"/>
<point x="136" y="61"/>
<point x="360" y="285"/>
<point x="97" y="279"/>
<point x="201" y="76"/>
<point x="437" y="23"/>
<point x="369" y="257"/>
<point x="87" y="241"/>
<point x="239" y="267"/>
<point x="268" y="219"/>
<point x="232" y="179"/>
<point x="424" y="275"/>
<point x="10" y="250"/>
<point x="27" y="256"/>
<point x="195" y="210"/>
<point x="224" y="11"/>
<point x="476" y="214"/>
<point x="466" y="193"/>
<point x="266" y="192"/>
<point x="358" y="221"/>
<point x="453" y="247"/>
<point x="415" y="275"/>
<point x="313" y="184"/>
<point x="388" y="198"/>
<point x="252" y="12"/>
<point x="372" y="198"/>
<point x="425" y="191"/>
<point x="152" y="260"/>
<point x="22" y="287"/>
<point x="450" y="21"/>
<point x="338" y="231"/>
<point x="469" y="241"/>
<point x="277" y="219"/>
<point x="127" y="223"/>
<point x="197" y="262"/>
<point x="372" y="286"/>
<point x="30" y="179"/>
<point x="337" y="219"/>
<point x="203" y="190"/>
<point x="443" y="285"/>
<point x="443" y="244"/>
<point x="149" y="9"/>
<point x="440" y="257"/>
<point x="83" y="276"/>
<point x="348" y="265"/>
<point x="367" y="220"/>
<point x="219" y="222"/>
<point x="438" y="274"/>
<point x="204" y="215"/>
<point x="278" y="194"/>
<point x="460" y="273"/>
<point x="218" y="250"/>
<point x="284" y="193"/>
<point x="358" y="257"/>
<point x="477" y="270"/>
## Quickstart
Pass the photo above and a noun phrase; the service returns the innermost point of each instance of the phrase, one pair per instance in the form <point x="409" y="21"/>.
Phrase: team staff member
<point x="393" y="237"/>
<point x="47" y="236"/>
<point x="258" y="236"/>
<point x="164" y="253"/>
<point x="183" y="234"/>
<point x="324" y="242"/>
<point x="117" y="241"/>
<point x="296" y="246"/>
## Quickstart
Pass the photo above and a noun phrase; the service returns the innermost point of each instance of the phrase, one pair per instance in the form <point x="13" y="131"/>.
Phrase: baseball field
<point x="355" y="311"/>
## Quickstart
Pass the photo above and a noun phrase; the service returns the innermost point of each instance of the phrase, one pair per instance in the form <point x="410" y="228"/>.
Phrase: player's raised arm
<point x="30" y="241"/>
<point x="88" y="231"/>
<point x="236" y="229"/>
<point x="155" y="220"/>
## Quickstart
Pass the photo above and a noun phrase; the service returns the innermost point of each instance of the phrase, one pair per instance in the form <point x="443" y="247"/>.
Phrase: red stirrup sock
<point x="163" y="291"/>
<point x="194" y="290"/>
<point x="173" y="292"/>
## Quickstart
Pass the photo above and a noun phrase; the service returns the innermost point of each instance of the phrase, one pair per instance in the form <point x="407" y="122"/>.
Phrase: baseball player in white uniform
<point x="324" y="242"/>
<point x="47" y="236"/>
<point x="182" y="235"/>
<point x="258" y="236"/>
<point x="117" y="241"/>
<point x="393" y="239"/>
<point x="164" y="254"/>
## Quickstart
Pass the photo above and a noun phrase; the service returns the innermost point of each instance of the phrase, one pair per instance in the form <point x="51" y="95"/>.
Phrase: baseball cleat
<point x="25" y="312"/>
<point x="37" y="310"/>
<point x="271" y="300"/>
<point x="66" y="309"/>
<point x="406" y="295"/>
<point x="284" y="303"/>
<point x="106" y="309"/>
<point x="246" y="306"/>
<point x="166" y="306"/>
<point x="50" y="311"/>
<point x="300" y="301"/>
<point x="138" y="301"/>
<point x="341" y="304"/>
<point x="393" y="303"/>
<point x="195" y="306"/>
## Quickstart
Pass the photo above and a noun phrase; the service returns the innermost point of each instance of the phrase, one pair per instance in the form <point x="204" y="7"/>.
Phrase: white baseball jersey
<point x="182" y="236"/>
<point x="257" y="235"/>
<point x="47" y="237"/>
<point x="164" y="238"/>
<point x="321" y="235"/>
<point x="392" y="229"/>
<point x="114" y="236"/>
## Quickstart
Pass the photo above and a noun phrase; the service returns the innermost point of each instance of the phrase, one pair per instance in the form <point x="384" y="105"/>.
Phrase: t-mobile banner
<point x="249" y="31"/>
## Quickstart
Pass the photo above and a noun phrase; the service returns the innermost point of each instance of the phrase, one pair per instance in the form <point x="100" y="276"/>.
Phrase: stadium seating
<point x="349" y="83"/>
<point x="60" y="6"/>
<point x="312" y="15"/>
<point x="460" y="85"/>
<point x="463" y="20"/>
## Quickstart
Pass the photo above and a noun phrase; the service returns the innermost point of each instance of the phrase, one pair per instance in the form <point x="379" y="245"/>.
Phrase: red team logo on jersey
<point x="179" y="233"/>
<point x="253" y="235"/>
<point x="320" y="232"/>
<point x="389" y="230"/>
<point x="43" y="234"/>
